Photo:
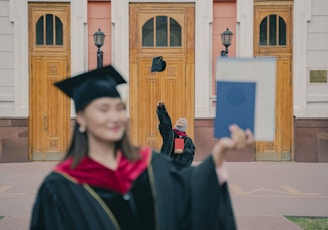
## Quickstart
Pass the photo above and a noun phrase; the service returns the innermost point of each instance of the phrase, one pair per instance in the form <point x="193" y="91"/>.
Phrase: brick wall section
<point x="13" y="140"/>
<point x="311" y="140"/>
<point x="204" y="143"/>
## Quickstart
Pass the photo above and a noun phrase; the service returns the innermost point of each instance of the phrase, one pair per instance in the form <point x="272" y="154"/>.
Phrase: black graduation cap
<point x="158" y="64"/>
<point x="91" y="85"/>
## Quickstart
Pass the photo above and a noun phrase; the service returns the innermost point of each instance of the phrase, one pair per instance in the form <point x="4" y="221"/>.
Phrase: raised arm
<point x="165" y="123"/>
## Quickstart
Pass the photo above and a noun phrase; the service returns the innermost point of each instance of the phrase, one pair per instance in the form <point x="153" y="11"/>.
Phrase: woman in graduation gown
<point x="104" y="182"/>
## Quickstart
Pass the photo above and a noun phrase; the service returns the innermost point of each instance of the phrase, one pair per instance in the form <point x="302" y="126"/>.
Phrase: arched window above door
<point x="49" y="31"/>
<point x="161" y="31"/>
<point x="273" y="31"/>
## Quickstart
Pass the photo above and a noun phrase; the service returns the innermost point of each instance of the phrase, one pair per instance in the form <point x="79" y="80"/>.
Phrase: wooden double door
<point x="49" y="61"/>
<point x="165" y="30"/>
<point x="273" y="28"/>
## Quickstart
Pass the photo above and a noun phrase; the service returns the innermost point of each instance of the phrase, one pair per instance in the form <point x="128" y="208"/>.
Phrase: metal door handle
<point x="45" y="122"/>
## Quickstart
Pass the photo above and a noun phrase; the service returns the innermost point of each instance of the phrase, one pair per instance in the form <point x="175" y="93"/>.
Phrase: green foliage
<point x="310" y="223"/>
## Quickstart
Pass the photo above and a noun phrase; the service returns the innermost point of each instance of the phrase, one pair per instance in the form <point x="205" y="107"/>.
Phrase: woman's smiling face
<point x="104" y="118"/>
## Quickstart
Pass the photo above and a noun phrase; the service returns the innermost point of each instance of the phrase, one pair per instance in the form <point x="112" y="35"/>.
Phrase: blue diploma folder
<point x="235" y="104"/>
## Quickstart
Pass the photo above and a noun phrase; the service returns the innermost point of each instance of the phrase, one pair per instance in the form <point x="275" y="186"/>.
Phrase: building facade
<point x="44" y="41"/>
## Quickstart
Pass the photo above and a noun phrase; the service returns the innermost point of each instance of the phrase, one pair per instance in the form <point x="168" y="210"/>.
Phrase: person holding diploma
<point x="106" y="183"/>
<point x="176" y="143"/>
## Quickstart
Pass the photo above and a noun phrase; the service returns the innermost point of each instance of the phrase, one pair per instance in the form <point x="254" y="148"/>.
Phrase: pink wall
<point x="99" y="16"/>
<point x="224" y="15"/>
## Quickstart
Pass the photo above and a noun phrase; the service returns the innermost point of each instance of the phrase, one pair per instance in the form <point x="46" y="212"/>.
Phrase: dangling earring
<point x="82" y="129"/>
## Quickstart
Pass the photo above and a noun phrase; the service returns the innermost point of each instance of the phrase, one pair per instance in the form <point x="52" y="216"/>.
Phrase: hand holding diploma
<point x="239" y="139"/>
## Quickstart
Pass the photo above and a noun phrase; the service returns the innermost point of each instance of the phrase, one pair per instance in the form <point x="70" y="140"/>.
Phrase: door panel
<point x="155" y="87"/>
<point x="174" y="86"/>
<point x="49" y="120"/>
<point x="281" y="149"/>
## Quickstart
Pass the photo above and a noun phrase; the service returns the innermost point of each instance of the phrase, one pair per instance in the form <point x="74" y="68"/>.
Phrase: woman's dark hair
<point x="79" y="147"/>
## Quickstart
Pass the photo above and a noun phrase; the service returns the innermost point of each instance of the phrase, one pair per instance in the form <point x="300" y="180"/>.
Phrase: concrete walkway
<point x="262" y="192"/>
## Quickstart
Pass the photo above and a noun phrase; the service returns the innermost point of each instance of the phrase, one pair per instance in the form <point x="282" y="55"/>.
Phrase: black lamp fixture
<point x="99" y="38"/>
<point x="226" y="37"/>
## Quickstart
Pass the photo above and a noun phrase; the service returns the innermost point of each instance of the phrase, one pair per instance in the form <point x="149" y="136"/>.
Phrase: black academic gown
<point x="177" y="198"/>
<point x="168" y="135"/>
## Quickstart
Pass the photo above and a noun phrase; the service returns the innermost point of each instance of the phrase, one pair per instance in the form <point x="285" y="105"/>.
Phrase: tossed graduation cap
<point x="91" y="85"/>
<point x="158" y="64"/>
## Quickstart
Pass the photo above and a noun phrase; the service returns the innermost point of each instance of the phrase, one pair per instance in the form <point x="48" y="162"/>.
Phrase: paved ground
<point x="262" y="192"/>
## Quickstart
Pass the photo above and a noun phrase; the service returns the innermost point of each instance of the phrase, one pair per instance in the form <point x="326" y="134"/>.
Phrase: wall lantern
<point x="226" y="37"/>
<point x="99" y="38"/>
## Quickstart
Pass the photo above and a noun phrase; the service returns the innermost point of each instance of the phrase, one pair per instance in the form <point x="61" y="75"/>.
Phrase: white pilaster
<point x="79" y="36"/>
<point x="120" y="36"/>
<point x="18" y="16"/>
<point x="203" y="56"/>
<point x="79" y="39"/>
<point x="244" y="27"/>
<point x="120" y="43"/>
<point x="302" y="14"/>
